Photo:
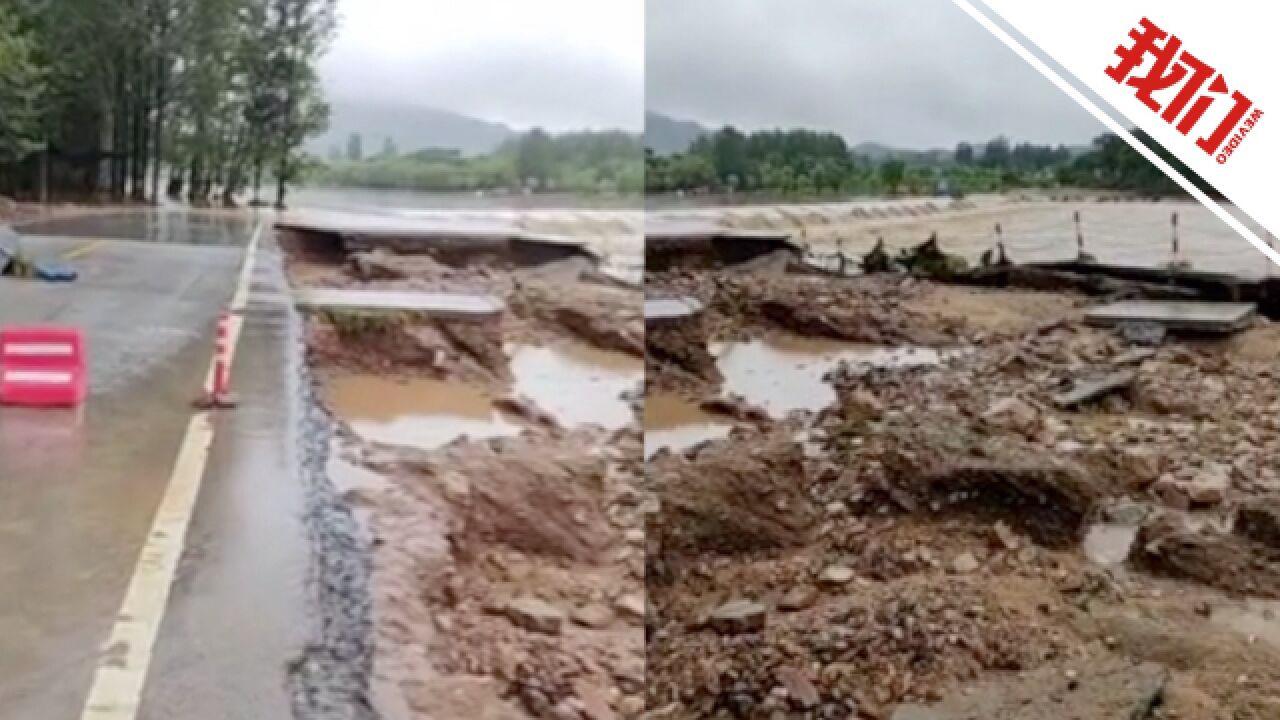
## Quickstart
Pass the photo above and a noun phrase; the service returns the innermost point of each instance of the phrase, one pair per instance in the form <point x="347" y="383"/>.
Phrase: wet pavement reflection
<point x="163" y="225"/>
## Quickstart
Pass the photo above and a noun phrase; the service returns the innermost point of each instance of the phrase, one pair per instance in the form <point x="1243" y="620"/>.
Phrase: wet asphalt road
<point x="238" y="613"/>
<point x="78" y="489"/>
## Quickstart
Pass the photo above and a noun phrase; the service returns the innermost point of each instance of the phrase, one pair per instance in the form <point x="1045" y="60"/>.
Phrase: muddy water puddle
<point x="675" y="423"/>
<point x="420" y="412"/>
<point x="577" y="384"/>
<point x="780" y="375"/>
<point x="1108" y="543"/>
<point x="784" y="374"/>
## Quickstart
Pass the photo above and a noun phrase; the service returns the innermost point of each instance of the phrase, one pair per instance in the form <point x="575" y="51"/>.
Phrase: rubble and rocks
<point x="1258" y="519"/>
<point x="535" y="615"/>
<point x="730" y="501"/>
<point x="1167" y="545"/>
<point x="919" y="542"/>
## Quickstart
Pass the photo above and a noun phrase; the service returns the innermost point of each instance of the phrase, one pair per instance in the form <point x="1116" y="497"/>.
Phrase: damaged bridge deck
<point x="448" y="306"/>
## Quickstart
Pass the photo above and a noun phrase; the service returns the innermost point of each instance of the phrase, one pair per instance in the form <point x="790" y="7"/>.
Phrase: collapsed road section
<point x="485" y="383"/>
<point x="968" y="502"/>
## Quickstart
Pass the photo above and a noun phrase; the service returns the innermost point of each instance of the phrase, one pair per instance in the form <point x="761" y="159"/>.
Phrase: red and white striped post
<point x="220" y="355"/>
<point x="220" y="396"/>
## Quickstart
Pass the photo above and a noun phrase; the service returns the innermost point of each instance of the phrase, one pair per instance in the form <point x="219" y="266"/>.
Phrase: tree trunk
<point x="162" y="88"/>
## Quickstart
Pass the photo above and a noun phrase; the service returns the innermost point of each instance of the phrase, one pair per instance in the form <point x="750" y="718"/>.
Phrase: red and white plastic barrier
<point x="219" y="395"/>
<point x="221" y="361"/>
<point x="42" y="366"/>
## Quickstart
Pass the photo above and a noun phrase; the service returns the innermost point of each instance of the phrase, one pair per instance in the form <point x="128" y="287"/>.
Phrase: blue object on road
<point x="55" y="272"/>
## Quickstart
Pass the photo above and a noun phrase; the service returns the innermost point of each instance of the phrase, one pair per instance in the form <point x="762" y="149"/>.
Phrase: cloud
<point x="913" y="74"/>
<point x="560" y="64"/>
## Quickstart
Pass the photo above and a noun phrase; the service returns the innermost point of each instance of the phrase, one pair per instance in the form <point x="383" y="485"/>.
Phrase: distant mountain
<point x="410" y="128"/>
<point x="879" y="152"/>
<point x="666" y="135"/>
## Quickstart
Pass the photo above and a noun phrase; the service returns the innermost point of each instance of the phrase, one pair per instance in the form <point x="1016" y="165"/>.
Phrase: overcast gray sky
<point x="560" y="64"/>
<point x="914" y="73"/>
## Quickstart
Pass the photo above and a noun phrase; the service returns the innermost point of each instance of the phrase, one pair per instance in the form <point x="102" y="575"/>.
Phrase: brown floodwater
<point x="419" y="412"/>
<point x="577" y="384"/>
<point x="1126" y="233"/>
<point x="779" y="374"/>
<point x="672" y="422"/>
<point x="784" y="374"/>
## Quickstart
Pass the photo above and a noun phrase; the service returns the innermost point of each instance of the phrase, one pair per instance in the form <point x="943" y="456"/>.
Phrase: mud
<point x="936" y="539"/>
<point x="675" y="424"/>
<point x="504" y="525"/>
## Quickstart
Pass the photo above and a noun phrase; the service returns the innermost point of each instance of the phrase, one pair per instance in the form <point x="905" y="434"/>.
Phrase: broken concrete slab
<point x="453" y="306"/>
<point x="1110" y="688"/>
<point x="1204" y="317"/>
<point x="671" y="309"/>
<point x="1088" y="390"/>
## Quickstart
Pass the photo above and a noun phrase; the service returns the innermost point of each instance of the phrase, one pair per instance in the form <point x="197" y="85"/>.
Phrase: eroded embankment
<point x="957" y="537"/>
<point x="496" y="465"/>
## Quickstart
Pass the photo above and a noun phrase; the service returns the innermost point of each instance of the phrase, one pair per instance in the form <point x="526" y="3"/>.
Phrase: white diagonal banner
<point x="1196" y="77"/>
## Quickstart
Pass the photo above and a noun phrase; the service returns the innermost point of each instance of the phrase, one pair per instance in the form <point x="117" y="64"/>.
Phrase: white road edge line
<point x="125" y="658"/>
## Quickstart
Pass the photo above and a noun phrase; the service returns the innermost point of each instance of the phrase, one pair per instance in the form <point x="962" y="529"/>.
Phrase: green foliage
<point x="579" y="162"/>
<point x="355" y="324"/>
<point x="892" y="173"/>
<point x="803" y="163"/>
<point x="212" y="89"/>
<point x="21" y="92"/>
<point x="1113" y="164"/>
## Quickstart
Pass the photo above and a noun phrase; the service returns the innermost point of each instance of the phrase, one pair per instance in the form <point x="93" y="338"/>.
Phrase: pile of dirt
<point x="943" y="467"/>
<point x="602" y="316"/>
<point x="534" y="584"/>
<point x="1167" y="546"/>
<point x="728" y="501"/>
<point x="676" y="357"/>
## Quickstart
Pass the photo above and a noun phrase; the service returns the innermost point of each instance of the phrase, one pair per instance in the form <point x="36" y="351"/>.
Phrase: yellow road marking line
<point x="83" y="250"/>
<point x="125" y="657"/>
